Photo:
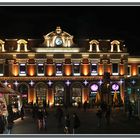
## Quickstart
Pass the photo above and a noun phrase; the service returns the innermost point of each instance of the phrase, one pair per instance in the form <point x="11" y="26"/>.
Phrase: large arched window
<point x="59" y="94"/>
<point x="41" y="93"/>
<point x="76" y="94"/>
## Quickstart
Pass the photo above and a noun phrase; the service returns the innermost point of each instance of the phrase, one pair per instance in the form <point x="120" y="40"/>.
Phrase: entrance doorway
<point x="76" y="94"/>
<point x="59" y="92"/>
<point x="41" y="93"/>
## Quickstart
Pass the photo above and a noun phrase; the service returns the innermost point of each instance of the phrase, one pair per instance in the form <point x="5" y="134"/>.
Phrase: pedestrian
<point x="108" y="114"/>
<point x="59" y="115"/>
<point x="9" y="124"/>
<point x="75" y="122"/>
<point x="2" y="125"/>
<point x="45" y="117"/>
<point x="67" y="124"/>
<point x="130" y="109"/>
<point x="99" y="117"/>
<point x="40" y="119"/>
<point x="44" y="104"/>
<point x="85" y="105"/>
<point x="22" y="113"/>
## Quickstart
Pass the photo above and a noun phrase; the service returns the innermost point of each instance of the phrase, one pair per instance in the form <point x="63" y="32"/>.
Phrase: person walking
<point x="99" y="117"/>
<point x="45" y="117"/>
<point x="108" y="114"/>
<point x="130" y="109"/>
<point x="85" y="105"/>
<point x="22" y="113"/>
<point x="2" y="125"/>
<point x="67" y="124"/>
<point x="40" y="119"/>
<point x="75" y="122"/>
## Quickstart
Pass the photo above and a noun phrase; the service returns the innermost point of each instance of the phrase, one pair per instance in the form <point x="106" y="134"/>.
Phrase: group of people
<point x="103" y="111"/>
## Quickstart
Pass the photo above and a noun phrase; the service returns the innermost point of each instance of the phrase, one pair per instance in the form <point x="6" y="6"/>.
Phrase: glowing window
<point x="76" y="69"/>
<point x="59" y="69"/>
<point x="22" y="70"/>
<point x="94" y="69"/>
<point x="40" y="70"/>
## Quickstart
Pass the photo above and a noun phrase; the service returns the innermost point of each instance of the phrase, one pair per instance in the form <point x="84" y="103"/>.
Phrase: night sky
<point x="93" y="22"/>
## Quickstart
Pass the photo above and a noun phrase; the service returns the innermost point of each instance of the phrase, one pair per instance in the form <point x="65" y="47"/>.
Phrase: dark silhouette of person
<point x="108" y="114"/>
<point x="85" y="105"/>
<point x="75" y="122"/>
<point x="22" y="113"/>
<point x="67" y="124"/>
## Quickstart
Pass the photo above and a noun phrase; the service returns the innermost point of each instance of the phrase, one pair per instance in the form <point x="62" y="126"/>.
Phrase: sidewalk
<point x="119" y="124"/>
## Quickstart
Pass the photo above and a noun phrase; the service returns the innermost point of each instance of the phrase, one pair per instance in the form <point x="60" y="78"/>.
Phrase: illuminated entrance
<point x="59" y="92"/>
<point x="41" y="93"/>
<point x="76" y="94"/>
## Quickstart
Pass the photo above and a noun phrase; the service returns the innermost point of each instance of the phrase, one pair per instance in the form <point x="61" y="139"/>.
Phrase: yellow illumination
<point x="121" y="70"/>
<point x="68" y="70"/>
<point x="100" y="70"/>
<point x="134" y="69"/>
<point x="85" y="69"/>
<point x="50" y="70"/>
<point x="15" y="70"/>
<point x="31" y="70"/>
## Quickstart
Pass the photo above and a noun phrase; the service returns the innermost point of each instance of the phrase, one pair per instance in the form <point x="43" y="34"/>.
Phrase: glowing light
<point x="68" y="82"/>
<point x="94" y="87"/>
<point x="31" y="83"/>
<point x="85" y="82"/>
<point x="133" y="82"/>
<point x="100" y="82"/>
<point x="5" y="83"/>
<point x="16" y="83"/>
<point x="50" y="83"/>
<point x="85" y="69"/>
<point x="121" y="81"/>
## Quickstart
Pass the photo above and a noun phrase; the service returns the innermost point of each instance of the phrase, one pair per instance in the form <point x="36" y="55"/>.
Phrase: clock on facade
<point x="115" y="86"/>
<point x="58" y="41"/>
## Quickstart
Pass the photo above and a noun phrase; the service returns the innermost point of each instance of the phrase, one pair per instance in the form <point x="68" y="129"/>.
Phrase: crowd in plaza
<point x="70" y="121"/>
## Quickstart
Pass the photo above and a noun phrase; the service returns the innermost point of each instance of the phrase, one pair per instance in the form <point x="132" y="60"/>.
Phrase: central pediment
<point x="58" y="38"/>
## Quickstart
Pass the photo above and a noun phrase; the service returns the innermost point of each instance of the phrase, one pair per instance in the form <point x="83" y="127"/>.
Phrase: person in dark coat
<point x="22" y="113"/>
<point x="99" y="117"/>
<point x="75" y="122"/>
<point x="45" y="118"/>
<point x="67" y="124"/>
<point x="85" y="106"/>
<point x="40" y="118"/>
<point x="1" y="124"/>
<point x="108" y="114"/>
<point x="59" y="115"/>
<point x="130" y="109"/>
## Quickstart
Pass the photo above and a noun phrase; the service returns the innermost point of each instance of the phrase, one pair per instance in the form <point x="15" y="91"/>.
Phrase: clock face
<point x="58" y="41"/>
<point x="115" y="86"/>
<point x="94" y="87"/>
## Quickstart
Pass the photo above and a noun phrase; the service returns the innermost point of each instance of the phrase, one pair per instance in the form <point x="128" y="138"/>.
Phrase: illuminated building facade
<point x="60" y="71"/>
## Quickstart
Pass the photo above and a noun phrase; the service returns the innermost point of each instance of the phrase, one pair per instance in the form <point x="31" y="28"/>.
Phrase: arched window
<point x="59" y="94"/>
<point x="22" y="45"/>
<point x="94" y="46"/>
<point x="41" y="93"/>
<point x="76" y="94"/>
<point x="115" y="46"/>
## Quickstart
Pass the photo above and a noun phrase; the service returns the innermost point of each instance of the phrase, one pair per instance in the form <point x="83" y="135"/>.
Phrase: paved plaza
<point x="119" y="123"/>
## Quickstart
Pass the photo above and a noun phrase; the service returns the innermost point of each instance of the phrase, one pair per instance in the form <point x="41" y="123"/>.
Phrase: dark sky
<point x="99" y="22"/>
